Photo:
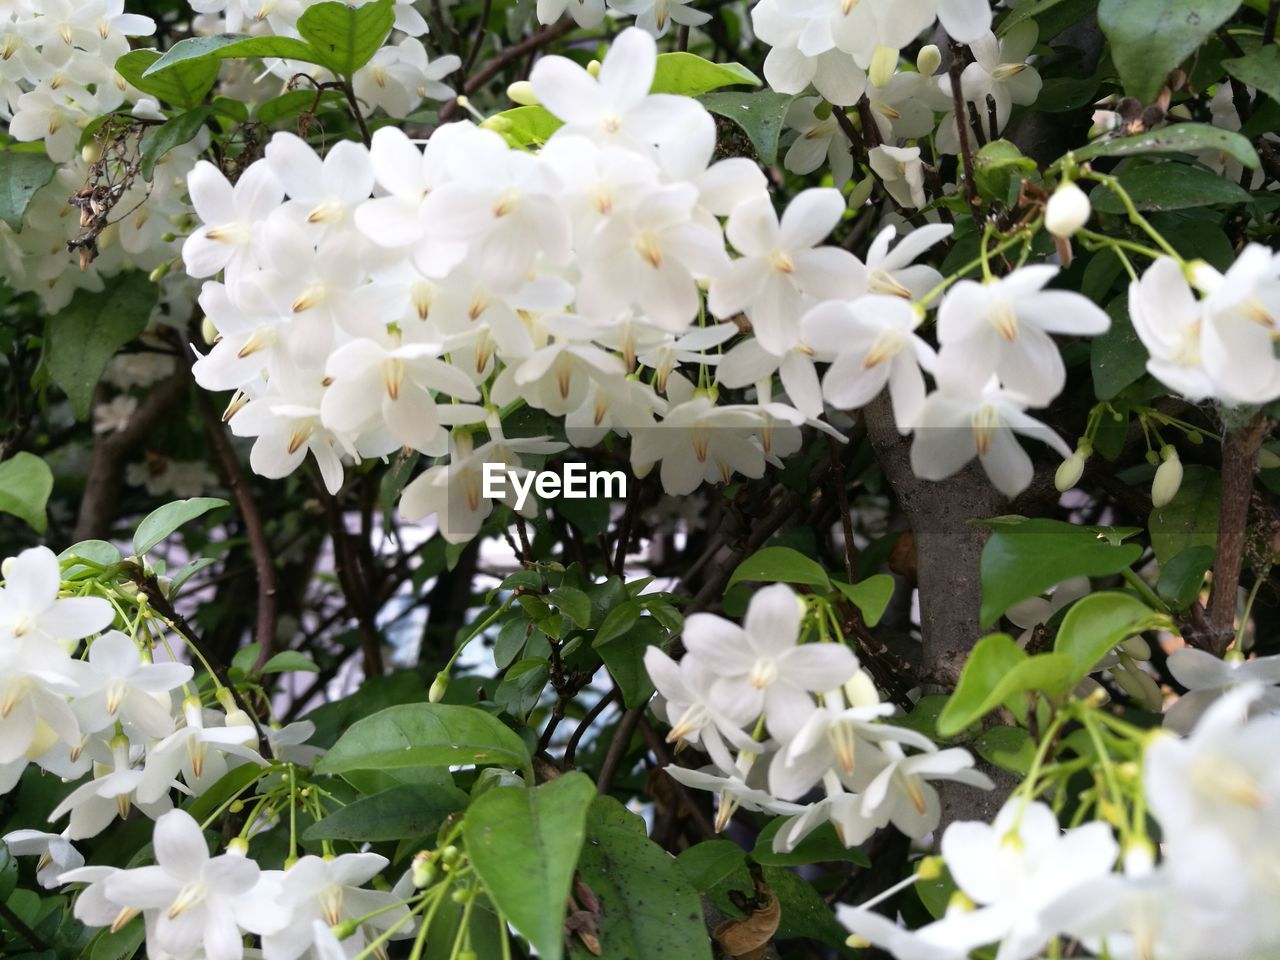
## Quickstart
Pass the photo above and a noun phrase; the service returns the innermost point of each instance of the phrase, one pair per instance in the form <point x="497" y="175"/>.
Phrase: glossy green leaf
<point x="22" y="173"/>
<point x="871" y="596"/>
<point x="759" y="115"/>
<point x="1156" y="187"/>
<point x="161" y="522"/>
<point x="649" y="909"/>
<point x="158" y="141"/>
<point x="1010" y="748"/>
<point x="780" y="565"/>
<point x="1097" y="624"/>
<point x="690" y="75"/>
<point x="1117" y="358"/>
<point x="1190" y="519"/>
<point x="1177" y="138"/>
<point x="997" y="165"/>
<point x="999" y="672"/>
<point x="820" y="846"/>
<point x="290" y="661"/>
<point x="573" y="603"/>
<point x="25" y="485"/>
<point x="805" y="915"/>
<point x="346" y="38"/>
<point x="1259" y="69"/>
<point x="624" y="656"/>
<point x="399" y="813"/>
<point x="228" y="47"/>
<point x="524" y="844"/>
<point x="1183" y="575"/>
<point x="1150" y="38"/>
<point x="119" y="944"/>
<point x="185" y="85"/>
<point x="705" y="864"/>
<point x="85" y="334"/>
<point x="425" y="734"/>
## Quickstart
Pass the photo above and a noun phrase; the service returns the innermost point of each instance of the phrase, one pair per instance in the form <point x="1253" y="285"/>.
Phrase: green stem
<point x="1146" y="592"/>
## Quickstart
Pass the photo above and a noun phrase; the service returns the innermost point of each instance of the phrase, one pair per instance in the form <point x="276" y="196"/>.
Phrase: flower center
<point x="764" y="672"/>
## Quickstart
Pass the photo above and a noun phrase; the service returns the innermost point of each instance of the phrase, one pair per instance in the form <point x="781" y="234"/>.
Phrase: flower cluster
<point x="1023" y="881"/>
<point x="393" y="279"/>
<point x="798" y="715"/>
<point x="1210" y="334"/>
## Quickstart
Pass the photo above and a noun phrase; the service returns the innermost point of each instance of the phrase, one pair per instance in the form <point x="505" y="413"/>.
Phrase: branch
<point x="496" y="65"/>
<point x="962" y="128"/>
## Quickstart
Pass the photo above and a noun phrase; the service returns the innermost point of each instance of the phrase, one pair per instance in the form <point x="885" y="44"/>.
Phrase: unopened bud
<point x="930" y="868"/>
<point x="1136" y="647"/>
<point x="424" y="870"/>
<point x="861" y="192"/>
<point x="861" y="690"/>
<point x="1069" y="472"/>
<point x="928" y="60"/>
<point x="439" y="687"/>
<point x="345" y="929"/>
<point x="1139" y="858"/>
<point x="238" y="846"/>
<point x="1067" y="211"/>
<point x="227" y="699"/>
<point x="522" y="93"/>
<point x="91" y="152"/>
<point x="593" y="68"/>
<point x="884" y="62"/>
<point x="208" y="331"/>
<point x="7" y="565"/>
<point x="1168" y="478"/>
<point x="449" y="855"/>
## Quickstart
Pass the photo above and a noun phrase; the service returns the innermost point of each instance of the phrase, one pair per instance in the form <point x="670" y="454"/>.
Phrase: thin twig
<point x="571" y="747"/>
<point x="618" y="749"/>
<point x="962" y="128"/>
<point x="479" y="40"/>
<point x="503" y="58"/>
<point x="356" y="112"/>
<point x="24" y="931"/>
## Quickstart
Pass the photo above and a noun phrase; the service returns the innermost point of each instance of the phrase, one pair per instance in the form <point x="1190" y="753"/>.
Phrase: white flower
<point x="901" y="793"/>
<point x="114" y="416"/>
<point x="1168" y="320"/>
<point x="732" y="791"/>
<point x="398" y="78"/>
<point x="762" y="665"/>
<point x="1003" y="327"/>
<point x="111" y="792"/>
<point x="230" y="215"/>
<point x="197" y="751"/>
<point x="902" y="173"/>
<point x="286" y="906"/>
<point x="55" y="851"/>
<point x="1207" y="678"/>
<point x="29" y="604"/>
<point x="894" y="272"/>
<point x="957" y="425"/>
<point x="1067" y="210"/>
<point x="817" y="140"/>
<point x="1031" y="613"/>
<point x="119" y="686"/>
<point x="190" y="900"/>
<point x="810" y="44"/>
<point x="656" y="16"/>
<point x="781" y="264"/>
<point x="873" y="344"/>
<point x="690" y="709"/>
<point x="323" y="191"/>
<point x="586" y="13"/>
<point x="1243" y="324"/>
<point x="1000" y="70"/>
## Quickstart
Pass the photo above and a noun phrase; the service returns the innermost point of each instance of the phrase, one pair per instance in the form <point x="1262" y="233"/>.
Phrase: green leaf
<point x="425" y="734"/>
<point x="624" y="656"/>
<point x="290" y="661"/>
<point x="1190" y="519"/>
<point x="1259" y="69"/>
<point x="180" y="578"/>
<point x="398" y="814"/>
<point x="1025" y="558"/>
<point x="227" y="786"/>
<point x="618" y="621"/>
<point x="871" y="596"/>
<point x="25" y="485"/>
<point x="820" y="846"/>
<point x="229" y="46"/>
<point x="524" y="844"/>
<point x="168" y="136"/>
<point x="998" y="672"/>
<point x="760" y="116"/>
<point x="649" y="909"/>
<point x="1097" y="624"/>
<point x="1117" y="357"/>
<point x="528" y="126"/>
<point x="780" y="565"/>
<point x="1169" y="186"/>
<point x="998" y="164"/>
<point x="706" y="864"/>
<point x="690" y="75"/>
<point x="22" y="173"/>
<point x="1182" y="576"/>
<point x="1178" y="138"/>
<point x="346" y="38"/>
<point x="1010" y="748"/>
<point x="1150" y="38"/>
<point x="161" y="522"/>
<point x="936" y="893"/>
<point x="573" y="603"/>
<point x="119" y="944"/>
<point x="84" y="335"/>
<point x="185" y="85"/>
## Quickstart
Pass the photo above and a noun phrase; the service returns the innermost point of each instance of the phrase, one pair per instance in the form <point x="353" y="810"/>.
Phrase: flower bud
<point x="593" y="68"/>
<point x="1136" y="647"/>
<point x="438" y="687"/>
<point x="883" y="64"/>
<point x="861" y="690"/>
<point x="928" y="60"/>
<point x="1067" y="211"/>
<point x="930" y="868"/>
<point x="7" y="565"/>
<point x="861" y="192"/>
<point x="208" y="331"/>
<point x="345" y="929"/>
<point x="238" y="846"/>
<point x="522" y="93"/>
<point x="1139" y="858"/>
<point x="1069" y="472"/>
<point x="424" y="870"/>
<point x="1168" y="478"/>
